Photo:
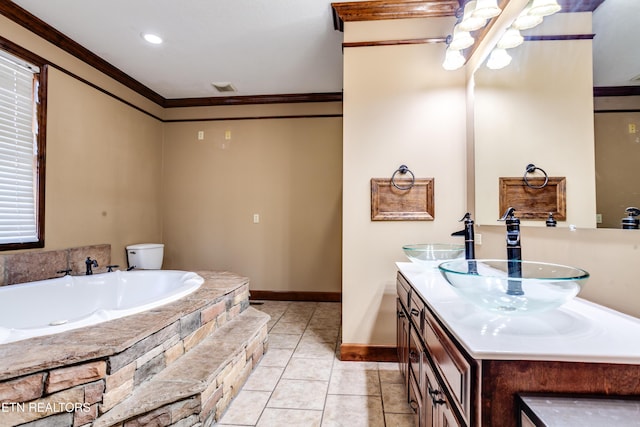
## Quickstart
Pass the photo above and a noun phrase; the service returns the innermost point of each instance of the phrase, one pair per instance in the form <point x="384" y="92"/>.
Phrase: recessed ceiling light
<point x="152" y="38"/>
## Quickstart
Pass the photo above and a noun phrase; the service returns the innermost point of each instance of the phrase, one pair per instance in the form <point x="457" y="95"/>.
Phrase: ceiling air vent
<point x="224" y="87"/>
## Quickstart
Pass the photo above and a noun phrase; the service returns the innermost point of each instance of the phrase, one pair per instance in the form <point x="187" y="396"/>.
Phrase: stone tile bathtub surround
<point x="179" y="364"/>
<point x="41" y="265"/>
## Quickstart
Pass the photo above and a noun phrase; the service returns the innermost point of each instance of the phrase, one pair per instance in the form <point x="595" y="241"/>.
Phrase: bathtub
<point x="56" y="305"/>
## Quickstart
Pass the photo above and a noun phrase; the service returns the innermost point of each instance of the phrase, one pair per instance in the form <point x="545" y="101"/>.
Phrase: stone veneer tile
<point x="141" y="347"/>
<point x="78" y="256"/>
<point x="189" y="323"/>
<point x="149" y="369"/>
<point x="3" y="279"/>
<point x="93" y="392"/>
<point x="44" y="407"/>
<point x="22" y="389"/>
<point x="211" y="312"/>
<point x="64" y="378"/>
<point x="116" y="379"/>
<point x="32" y="266"/>
<point x="116" y="395"/>
<point x="60" y="420"/>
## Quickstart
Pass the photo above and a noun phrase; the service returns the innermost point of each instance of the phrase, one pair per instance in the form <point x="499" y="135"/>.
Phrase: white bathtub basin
<point x="57" y="305"/>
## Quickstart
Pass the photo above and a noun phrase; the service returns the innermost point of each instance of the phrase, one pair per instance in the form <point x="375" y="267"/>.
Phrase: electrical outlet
<point x="599" y="218"/>
<point x="256" y="218"/>
<point x="632" y="128"/>
<point x="478" y="239"/>
<point x="227" y="135"/>
<point x="200" y="135"/>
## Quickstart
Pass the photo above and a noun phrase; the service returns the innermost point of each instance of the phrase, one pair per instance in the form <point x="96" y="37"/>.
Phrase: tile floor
<point x="301" y="382"/>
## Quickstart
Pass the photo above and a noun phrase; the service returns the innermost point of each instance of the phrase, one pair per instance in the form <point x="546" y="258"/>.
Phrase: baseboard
<point x="296" y="296"/>
<point x="368" y="353"/>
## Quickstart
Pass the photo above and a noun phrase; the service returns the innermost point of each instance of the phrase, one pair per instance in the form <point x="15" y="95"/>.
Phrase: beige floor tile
<point x="274" y="417"/>
<point x="399" y="420"/>
<point x="263" y="378"/>
<point x="322" y="335"/>
<point x="246" y="407"/>
<point x="298" y="394"/>
<point x="359" y="382"/>
<point x="324" y="323"/>
<point x="355" y="366"/>
<point x="390" y="373"/>
<point x="315" y="350"/>
<point x="394" y="399"/>
<point x="308" y="369"/>
<point x="287" y="341"/>
<point x="295" y="328"/>
<point x="353" y="411"/>
<point x="292" y="316"/>
<point x="278" y="357"/>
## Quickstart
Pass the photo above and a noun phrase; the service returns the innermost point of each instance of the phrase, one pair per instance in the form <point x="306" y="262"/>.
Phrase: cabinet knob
<point x="414" y="405"/>
<point x="414" y="312"/>
<point x="401" y="314"/>
<point x="414" y="356"/>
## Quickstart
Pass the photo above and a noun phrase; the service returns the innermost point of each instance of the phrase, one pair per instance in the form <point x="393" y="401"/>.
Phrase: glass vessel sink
<point x="432" y="254"/>
<point x="513" y="287"/>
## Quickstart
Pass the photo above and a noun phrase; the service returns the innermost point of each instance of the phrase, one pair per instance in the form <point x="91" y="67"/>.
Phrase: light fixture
<point x="526" y="20"/>
<point x="470" y="22"/>
<point x="453" y="59"/>
<point x="510" y="39"/>
<point x="152" y="38"/>
<point x="487" y="9"/>
<point x="498" y="59"/>
<point x="460" y="39"/>
<point x="544" y="7"/>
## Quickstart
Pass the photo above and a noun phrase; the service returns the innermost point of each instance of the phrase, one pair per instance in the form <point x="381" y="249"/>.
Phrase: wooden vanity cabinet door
<point x="402" y="343"/>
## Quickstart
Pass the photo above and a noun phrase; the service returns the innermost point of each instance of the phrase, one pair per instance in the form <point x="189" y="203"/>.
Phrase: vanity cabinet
<point x="449" y="385"/>
<point x="437" y="375"/>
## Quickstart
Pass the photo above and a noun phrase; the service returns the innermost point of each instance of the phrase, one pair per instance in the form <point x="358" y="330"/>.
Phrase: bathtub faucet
<point x="90" y="263"/>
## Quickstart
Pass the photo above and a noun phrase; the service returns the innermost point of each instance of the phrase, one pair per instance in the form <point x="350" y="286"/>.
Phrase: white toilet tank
<point x="145" y="256"/>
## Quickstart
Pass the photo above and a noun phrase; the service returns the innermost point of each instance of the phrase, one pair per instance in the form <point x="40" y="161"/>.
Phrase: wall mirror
<point x="540" y="109"/>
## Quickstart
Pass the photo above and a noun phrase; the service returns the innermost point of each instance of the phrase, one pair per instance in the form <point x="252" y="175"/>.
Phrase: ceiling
<point x="261" y="47"/>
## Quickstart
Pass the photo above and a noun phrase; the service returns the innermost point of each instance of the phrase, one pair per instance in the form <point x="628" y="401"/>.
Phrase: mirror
<point x="540" y="110"/>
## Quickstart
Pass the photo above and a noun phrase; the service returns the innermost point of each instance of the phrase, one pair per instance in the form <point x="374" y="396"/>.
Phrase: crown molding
<point x="390" y="9"/>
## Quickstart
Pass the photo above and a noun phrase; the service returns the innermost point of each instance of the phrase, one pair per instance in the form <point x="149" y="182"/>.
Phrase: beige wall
<point x="288" y="171"/>
<point x="400" y="107"/>
<point x="103" y="157"/>
<point x="102" y="170"/>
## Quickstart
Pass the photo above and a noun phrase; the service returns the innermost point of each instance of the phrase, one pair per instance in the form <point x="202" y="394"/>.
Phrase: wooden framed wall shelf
<point x="389" y="203"/>
<point x="534" y="203"/>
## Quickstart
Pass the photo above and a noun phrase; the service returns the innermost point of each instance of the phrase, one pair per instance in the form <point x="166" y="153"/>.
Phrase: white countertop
<point x="579" y="331"/>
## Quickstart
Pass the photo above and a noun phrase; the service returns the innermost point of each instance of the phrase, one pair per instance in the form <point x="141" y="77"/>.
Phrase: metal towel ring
<point x="531" y="168"/>
<point x="403" y="169"/>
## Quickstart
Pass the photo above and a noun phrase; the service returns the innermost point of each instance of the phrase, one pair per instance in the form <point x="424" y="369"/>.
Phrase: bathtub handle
<point x="111" y="267"/>
<point x="66" y="272"/>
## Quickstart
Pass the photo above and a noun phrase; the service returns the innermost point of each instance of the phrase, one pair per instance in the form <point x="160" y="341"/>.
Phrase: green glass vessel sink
<point x="514" y="287"/>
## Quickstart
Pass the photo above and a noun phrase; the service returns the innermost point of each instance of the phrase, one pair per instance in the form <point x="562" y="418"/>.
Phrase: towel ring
<point x="531" y="168"/>
<point x="403" y="169"/>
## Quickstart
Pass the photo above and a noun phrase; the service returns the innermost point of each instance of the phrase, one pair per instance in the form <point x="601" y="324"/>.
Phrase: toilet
<point x="145" y="256"/>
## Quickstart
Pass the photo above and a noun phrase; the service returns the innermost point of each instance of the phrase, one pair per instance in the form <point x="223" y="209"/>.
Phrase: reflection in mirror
<point x="539" y="110"/>
<point x="617" y="118"/>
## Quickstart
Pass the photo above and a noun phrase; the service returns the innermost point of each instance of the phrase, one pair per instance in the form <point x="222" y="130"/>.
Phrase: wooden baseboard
<point x="368" y="353"/>
<point x="296" y="296"/>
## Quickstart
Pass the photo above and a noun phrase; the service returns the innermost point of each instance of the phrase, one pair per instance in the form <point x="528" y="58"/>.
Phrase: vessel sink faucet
<point x="514" y="251"/>
<point x="90" y="263"/>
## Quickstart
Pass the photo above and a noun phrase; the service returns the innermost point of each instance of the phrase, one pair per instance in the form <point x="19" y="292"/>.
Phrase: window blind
<point x="18" y="151"/>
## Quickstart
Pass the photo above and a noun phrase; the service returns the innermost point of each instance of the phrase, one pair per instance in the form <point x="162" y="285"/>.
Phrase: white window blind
<point x="18" y="151"/>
